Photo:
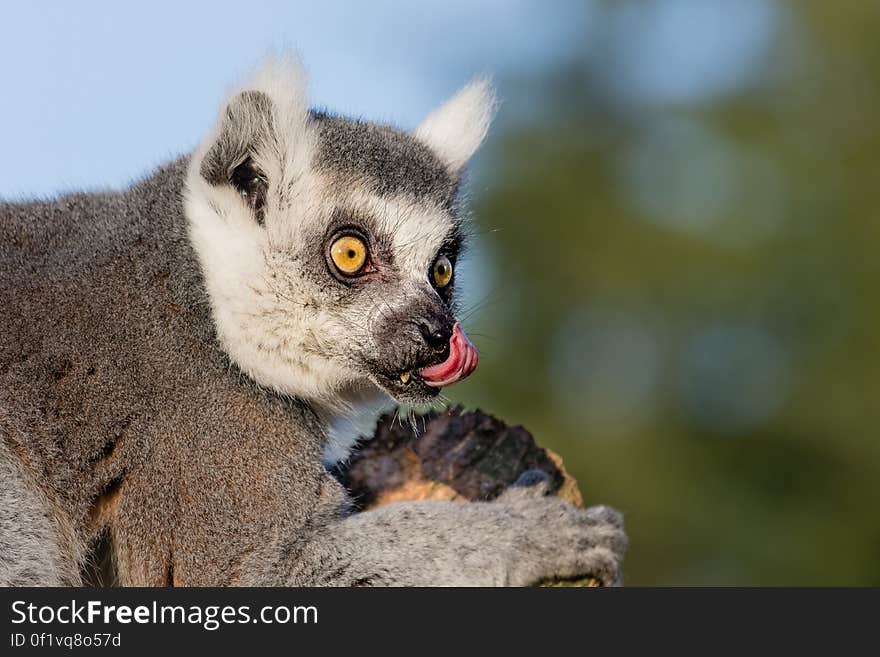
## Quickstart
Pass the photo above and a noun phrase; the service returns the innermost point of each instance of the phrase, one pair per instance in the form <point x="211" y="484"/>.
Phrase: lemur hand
<point x="560" y="540"/>
<point x="522" y="538"/>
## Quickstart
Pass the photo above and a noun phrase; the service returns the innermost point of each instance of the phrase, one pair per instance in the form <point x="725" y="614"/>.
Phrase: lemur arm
<point x="522" y="538"/>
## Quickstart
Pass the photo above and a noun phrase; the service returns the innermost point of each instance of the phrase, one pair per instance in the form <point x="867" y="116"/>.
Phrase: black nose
<point x="436" y="333"/>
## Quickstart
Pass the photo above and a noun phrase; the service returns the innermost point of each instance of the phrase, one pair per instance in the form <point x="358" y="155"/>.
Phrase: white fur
<point x="276" y="326"/>
<point x="346" y="429"/>
<point x="250" y="326"/>
<point x="457" y="128"/>
<point x="239" y="258"/>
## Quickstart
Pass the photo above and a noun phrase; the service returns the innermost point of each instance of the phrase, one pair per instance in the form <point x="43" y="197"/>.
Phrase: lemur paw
<point x="561" y="541"/>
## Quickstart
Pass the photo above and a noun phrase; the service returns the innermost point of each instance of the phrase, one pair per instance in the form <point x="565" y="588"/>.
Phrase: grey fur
<point x="31" y="540"/>
<point x="121" y="415"/>
<point x="389" y="161"/>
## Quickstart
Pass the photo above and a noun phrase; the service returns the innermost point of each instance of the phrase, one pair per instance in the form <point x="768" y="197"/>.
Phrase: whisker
<point x="483" y="335"/>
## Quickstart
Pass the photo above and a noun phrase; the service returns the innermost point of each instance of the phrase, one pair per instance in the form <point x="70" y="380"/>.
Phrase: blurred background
<point x="677" y="230"/>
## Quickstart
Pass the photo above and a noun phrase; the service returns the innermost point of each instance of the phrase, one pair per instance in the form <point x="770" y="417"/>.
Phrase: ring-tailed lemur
<point x="175" y="359"/>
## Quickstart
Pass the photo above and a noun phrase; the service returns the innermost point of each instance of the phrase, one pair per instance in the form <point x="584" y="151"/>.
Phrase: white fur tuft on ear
<point x="282" y="78"/>
<point x="457" y="128"/>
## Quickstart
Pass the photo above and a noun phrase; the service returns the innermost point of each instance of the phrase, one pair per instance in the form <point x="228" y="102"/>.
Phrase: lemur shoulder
<point x="179" y="358"/>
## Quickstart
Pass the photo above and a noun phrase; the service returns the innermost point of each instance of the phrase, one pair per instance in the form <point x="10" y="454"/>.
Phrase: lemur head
<point x="329" y="245"/>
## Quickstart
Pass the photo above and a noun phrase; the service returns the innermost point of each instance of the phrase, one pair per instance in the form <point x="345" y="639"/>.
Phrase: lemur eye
<point x="442" y="271"/>
<point x="349" y="254"/>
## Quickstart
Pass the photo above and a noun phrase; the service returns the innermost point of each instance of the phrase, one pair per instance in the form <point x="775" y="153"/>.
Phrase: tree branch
<point x="453" y="455"/>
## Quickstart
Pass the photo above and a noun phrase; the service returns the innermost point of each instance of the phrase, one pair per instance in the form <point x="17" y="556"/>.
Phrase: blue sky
<point x="96" y="93"/>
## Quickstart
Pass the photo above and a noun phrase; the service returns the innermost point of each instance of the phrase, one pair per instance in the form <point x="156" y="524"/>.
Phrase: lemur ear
<point x="245" y="126"/>
<point x="260" y="132"/>
<point x="457" y="128"/>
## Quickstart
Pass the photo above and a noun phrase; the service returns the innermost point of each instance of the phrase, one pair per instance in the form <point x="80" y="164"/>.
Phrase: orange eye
<point x="442" y="271"/>
<point x="349" y="254"/>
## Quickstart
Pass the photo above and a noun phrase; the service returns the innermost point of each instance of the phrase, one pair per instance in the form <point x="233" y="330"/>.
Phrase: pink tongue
<point x="462" y="361"/>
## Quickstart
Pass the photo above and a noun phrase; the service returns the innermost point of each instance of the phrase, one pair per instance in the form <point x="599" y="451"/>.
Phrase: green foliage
<point x="684" y="302"/>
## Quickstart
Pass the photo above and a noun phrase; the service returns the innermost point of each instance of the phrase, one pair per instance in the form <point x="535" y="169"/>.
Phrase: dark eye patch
<point x="251" y="183"/>
<point x="367" y="228"/>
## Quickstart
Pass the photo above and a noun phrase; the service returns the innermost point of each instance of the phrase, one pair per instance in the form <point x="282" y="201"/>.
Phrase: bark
<point x="453" y="455"/>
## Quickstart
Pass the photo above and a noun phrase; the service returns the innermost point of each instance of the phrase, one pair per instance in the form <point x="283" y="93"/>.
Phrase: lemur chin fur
<point x="182" y="358"/>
